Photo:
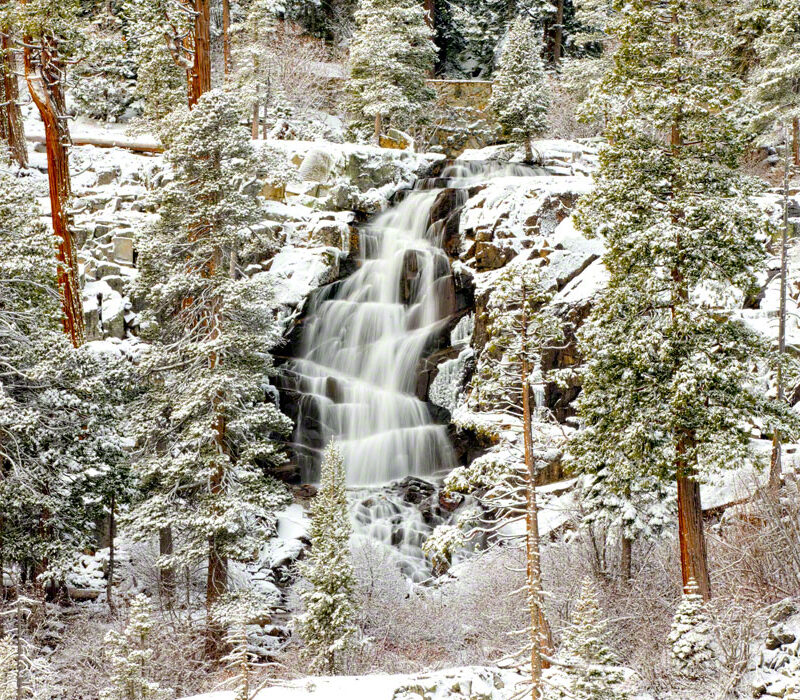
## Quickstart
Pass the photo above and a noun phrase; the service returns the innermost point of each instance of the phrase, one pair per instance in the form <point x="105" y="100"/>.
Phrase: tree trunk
<point x="199" y="75"/>
<point x="528" y="151"/>
<point x="226" y="36"/>
<point x="11" y="128"/>
<point x="694" y="561"/>
<point x="532" y="552"/>
<point x="558" y="33"/>
<point x="112" y="531"/>
<point x="796" y="140"/>
<point x="43" y="73"/>
<point x="775" y="466"/>
<point x="378" y="129"/>
<point x="626" y="559"/>
<point x="254" y="129"/>
<point x="166" y="574"/>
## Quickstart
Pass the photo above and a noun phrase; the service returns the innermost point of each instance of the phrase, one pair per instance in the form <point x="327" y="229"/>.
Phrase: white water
<point x="362" y="345"/>
<point x="364" y="338"/>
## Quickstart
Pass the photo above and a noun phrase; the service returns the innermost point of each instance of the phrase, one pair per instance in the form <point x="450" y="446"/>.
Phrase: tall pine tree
<point x="667" y="387"/>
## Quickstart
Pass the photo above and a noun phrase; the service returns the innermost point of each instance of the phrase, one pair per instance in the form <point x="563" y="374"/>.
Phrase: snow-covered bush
<point x="690" y="637"/>
<point x="130" y="657"/>
<point x="441" y="544"/>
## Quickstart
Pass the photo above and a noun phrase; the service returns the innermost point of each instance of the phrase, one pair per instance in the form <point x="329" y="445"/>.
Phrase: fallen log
<point x="108" y="142"/>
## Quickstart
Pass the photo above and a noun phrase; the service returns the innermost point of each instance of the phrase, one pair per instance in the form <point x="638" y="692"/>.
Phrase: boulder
<point x="123" y="249"/>
<point x="490" y="255"/>
<point x="317" y="166"/>
<point x="398" y="140"/>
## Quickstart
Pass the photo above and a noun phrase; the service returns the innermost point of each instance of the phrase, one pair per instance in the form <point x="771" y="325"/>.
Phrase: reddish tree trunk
<point x="43" y="72"/>
<point x="11" y="129"/>
<point x="226" y="36"/>
<point x="694" y="561"/>
<point x="200" y="73"/>
<point x="558" y="32"/>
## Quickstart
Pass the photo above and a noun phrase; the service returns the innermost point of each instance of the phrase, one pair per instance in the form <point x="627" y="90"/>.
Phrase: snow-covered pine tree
<point x="667" y="383"/>
<point x="60" y="408"/>
<point x="776" y="81"/>
<point x="391" y="55"/>
<point x="690" y="635"/>
<point x="585" y="649"/>
<point x="519" y="94"/>
<point x="130" y="655"/>
<point x="207" y="424"/>
<point x="327" y="625"/>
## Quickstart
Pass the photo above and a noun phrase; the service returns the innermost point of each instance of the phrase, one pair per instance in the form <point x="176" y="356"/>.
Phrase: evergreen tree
<point x="668" y="388"/>
<point x="60" y="408"/>
<point x="327" y="626"/>
<point x="391" y="54"/>
<point x="776" y="81"/>
<point x="585" y="649"/>
<point x="690" y="635"/>
<point x="206" y="424"/>
<point x="130" y="656"/>
<point x="519" y="94"/>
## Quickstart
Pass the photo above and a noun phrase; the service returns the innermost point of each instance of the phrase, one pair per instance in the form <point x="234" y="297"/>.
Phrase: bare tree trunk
<point x="166" y="574"/>
<point x="533" y="568"/>
<point x="558" y="33"/>
<point x="775" y="466"/>
<point x="43" y="73"/>
<point x="112" y="531"/>
<point x="226" y="36"/>
<point x="528" y="151"/>
<point x="796" y="140"/>
<point x="378" y="129"/>
<point x="11" y="128"/>
<point x="254" y="130"/>
<point x="626" y="558"/>
<point x="20" y="684"/>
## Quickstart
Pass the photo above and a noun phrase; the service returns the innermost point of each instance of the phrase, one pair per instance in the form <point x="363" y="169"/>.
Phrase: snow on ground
<point x="465" y="683"/>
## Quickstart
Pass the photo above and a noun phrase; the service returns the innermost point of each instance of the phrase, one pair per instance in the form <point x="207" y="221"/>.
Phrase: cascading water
<point x="356" y="374"/>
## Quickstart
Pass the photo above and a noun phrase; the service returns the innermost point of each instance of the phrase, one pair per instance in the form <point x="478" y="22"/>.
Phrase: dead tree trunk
<point x="775" y="466"/>
<point x="44" y="71"/>
<point x="558" y="33"/>
<point x="11" y="128"/>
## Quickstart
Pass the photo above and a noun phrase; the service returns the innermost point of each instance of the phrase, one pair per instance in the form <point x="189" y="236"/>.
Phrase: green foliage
<point x="327" y="626"/>
<point x="390" y="56"/>
<point x="668" y="384"/>
<point x="519" y="95"/>
<point x="206" y="424"/>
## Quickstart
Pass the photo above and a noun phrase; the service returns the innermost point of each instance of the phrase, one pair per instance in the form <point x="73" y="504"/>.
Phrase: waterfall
<point x="356" y="375"/>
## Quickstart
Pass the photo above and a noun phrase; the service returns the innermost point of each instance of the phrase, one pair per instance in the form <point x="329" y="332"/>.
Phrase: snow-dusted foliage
<point x="774" y="81"/>
<point x="390" y="56"/>
<point x="160" y="82"/>
<point x="591" y="663"/>
<point x="8" y="669"/>
<point x="442" y="543"/>
<point x="129" y="654"/>
<point x="668" y="383"/>
<point x="327" y="625"/>
<point x="60" y="407"/>
<point x="207" y="420"/>
<point x="691" y="636"/>
<point x="520" y="94"/>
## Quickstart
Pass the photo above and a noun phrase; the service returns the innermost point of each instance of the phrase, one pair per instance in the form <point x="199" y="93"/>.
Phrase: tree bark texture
<point x="11" y="128"/>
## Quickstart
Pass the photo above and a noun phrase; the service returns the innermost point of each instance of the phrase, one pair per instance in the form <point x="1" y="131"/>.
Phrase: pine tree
<point x="776" y="81"/>
<point x="690" y="635"/>
<point x="519" y="94"/>
<point x="130" y="656"/>
<point x="390" y="56"/>
<point x="668" y="386"/>
<point x="60" y="408"/>
<point x="327" y="626"/>
<point x="585" y="649"/>
<point x="206" y="424"/>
